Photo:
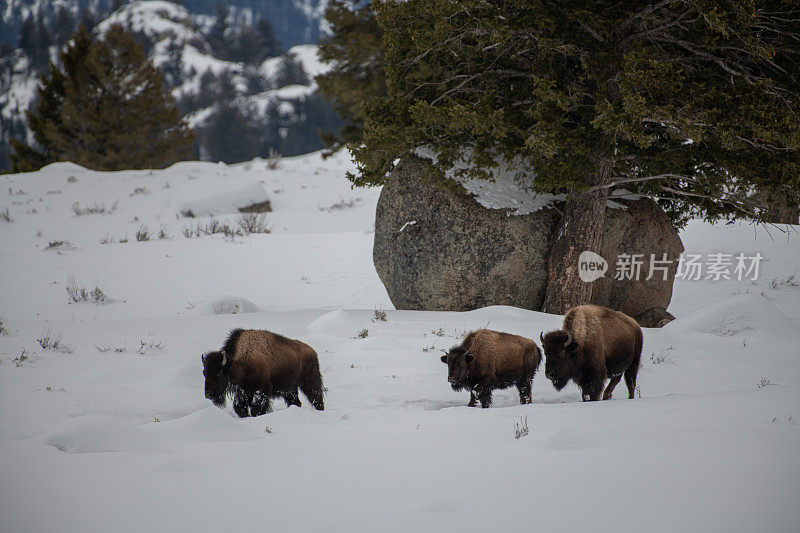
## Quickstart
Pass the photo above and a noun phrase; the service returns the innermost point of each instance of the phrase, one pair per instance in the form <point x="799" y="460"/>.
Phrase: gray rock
<point x="436" y="248"/>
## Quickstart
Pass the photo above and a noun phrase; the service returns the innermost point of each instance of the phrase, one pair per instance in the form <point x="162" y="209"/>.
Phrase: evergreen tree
<point x="694" y="103"/>
<point x="229" y="137"/>
<point x="290" y="72"/>
<point x="268" y="44"/>
<point x="63" y="24"/>
<point x="27" y="34"/>
<point x="217" y="36"/>
<point x="104" y="108"/>
<point x="356" y="48"/>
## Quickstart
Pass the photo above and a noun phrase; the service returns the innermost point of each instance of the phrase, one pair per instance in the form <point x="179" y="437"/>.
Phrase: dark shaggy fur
<point x="260" y="365"/>
<point x="487" y="360"/>
<point x="605" y="344"/>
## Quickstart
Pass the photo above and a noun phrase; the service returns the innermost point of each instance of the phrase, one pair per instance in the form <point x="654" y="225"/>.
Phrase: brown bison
<point x="488" y="360"/>
<point x="594" y="343"/>
<point x="256" y="365"/>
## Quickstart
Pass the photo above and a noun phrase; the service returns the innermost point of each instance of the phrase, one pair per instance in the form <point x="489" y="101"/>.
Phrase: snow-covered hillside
<point x="276" y="97"/>
<point x="111" y="432"/>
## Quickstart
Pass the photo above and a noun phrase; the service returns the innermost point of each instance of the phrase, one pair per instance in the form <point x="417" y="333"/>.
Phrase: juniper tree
<point x="105" y="107"/>
<point x="693" y="102"/>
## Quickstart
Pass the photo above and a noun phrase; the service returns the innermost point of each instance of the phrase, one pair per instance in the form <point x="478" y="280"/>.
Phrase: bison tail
<point x="312" y="386"/>
<point x="633" y="370"/>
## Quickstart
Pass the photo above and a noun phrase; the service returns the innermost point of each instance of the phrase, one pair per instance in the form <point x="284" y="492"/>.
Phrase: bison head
<point x="560" y="350"/>
<point x="215" y="372"/>
<point x="457" y="360"/>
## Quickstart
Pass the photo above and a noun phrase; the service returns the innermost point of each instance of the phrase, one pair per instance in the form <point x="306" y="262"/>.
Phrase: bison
<point x="594" y="343"/>
<point x="488" y="360"/>
<point x="254" y="366"/>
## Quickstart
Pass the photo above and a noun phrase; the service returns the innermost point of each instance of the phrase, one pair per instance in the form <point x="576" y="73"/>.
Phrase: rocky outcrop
<point x="437" y="248"/>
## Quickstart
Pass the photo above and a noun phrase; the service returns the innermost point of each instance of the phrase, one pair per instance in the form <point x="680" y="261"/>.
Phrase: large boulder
<point x="437" y="248"/>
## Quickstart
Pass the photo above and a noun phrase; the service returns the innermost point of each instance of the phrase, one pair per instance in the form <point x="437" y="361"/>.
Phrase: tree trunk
<point x="778" y="211"/>
<point x="581" y="229"/>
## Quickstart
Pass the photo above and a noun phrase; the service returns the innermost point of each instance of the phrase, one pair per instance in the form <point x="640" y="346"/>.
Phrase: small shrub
<point x="124" y="238"/>
<point x="162" y="234"/>
<point x="142" y="234"/>
<point x="438" y="332"/>
<point x="107" y="239"/>
<point x="248" y="223"/>
<point x="792" y="280"/>
<point x="115" y="349"/>
<point x="72" y="179"/>
<point x="52" y="245"/>
<point x="340" y="205"/>
<point x="21" y="358"/>
<point x="94" y="209"/>
<point x="51" y="341"/>
<point x="146" y="346"/>
<point x="363" y="334"/>
<point x="521" y="427"/>
<point x="5" y="215"/>
<point x="138" y="190"/>
<point x="379" y="315"/>
<point x="660" y="358"/>
<point x="187" y="213"/>
<point x="3" y="330"/>
<point x="77" y="293"/>
<point x="763" y="383"/>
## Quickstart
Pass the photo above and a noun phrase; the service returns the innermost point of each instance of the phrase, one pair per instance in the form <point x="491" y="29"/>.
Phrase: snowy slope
<point x="114" y="434"/>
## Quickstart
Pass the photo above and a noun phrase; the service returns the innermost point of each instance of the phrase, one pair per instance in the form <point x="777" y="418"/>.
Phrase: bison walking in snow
<point x="488" y="360"/>
<point x="255" y="366"/>
<point x="594" y="343"/>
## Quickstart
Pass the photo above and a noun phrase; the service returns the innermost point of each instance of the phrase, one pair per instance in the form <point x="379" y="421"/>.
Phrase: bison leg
<point x="313" y="389"/>
<point x="525" y="394"/>
<point x="292" y="398"/>
<point x="610" y="388"/>
<point x="473" y="401"/>
<point x="259" y="404"/>
<point x="484" y="395"/>
<point x="592" y="393"/>
<point x="241" y="403"/>
<point x="630" y="378"/>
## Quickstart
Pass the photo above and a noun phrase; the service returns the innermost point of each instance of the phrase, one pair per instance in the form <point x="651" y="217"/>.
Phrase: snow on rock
<point x="505" y="189"/>
<point x="224" y="199"/>
<point x="511" y="187"/>
<point x="223" y="305"/>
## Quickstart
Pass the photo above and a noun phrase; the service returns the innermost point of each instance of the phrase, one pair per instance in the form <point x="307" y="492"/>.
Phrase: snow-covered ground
<point x="112" y="433"/>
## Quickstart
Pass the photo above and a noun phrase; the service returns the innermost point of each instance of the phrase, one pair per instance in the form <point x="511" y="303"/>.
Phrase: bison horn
<point x="224" y="358"/>
<point x="541" y="336"/>
<point x="569" y="339"/>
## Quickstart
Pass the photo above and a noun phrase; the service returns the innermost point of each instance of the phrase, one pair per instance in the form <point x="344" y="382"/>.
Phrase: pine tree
<point x="104" y="108"/>
<point x="290" y="72"/>
<point x="217" y="36"/>
<point x="355" y="47"/>
<point x="229" y="137"/>
<point x="694" y="103"/>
